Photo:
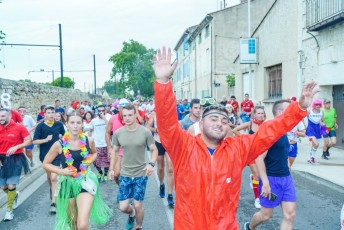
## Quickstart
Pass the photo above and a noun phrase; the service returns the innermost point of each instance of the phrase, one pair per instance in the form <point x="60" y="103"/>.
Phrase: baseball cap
<point x="123" y="102"/>
<point x="327" y="101"/>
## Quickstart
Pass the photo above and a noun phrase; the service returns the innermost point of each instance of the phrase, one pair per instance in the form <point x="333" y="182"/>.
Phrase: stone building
<point x="206" y="52"/>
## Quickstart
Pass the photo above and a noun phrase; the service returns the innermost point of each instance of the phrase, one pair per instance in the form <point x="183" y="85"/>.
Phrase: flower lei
<point x="84" y="153"/>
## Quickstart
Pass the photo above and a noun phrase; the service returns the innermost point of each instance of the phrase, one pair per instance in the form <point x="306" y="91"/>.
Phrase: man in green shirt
<point x="133" y="138"/>
<point x="330" y="118"/>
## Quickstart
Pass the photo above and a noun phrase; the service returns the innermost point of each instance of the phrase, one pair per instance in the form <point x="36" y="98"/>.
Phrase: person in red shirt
<point x="246" y="109"/>
<point x="209" y="165"/>
<point x="234" y="103"/>
<point x="14" y="137"/>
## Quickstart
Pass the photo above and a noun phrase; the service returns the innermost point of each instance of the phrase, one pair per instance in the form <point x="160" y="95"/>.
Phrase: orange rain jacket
<point x="208" y="187"/>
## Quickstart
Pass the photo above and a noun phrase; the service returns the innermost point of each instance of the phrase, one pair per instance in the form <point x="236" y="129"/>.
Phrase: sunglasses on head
<point x="4" y="109"/>
<point x="259" y="107"/>
<point x="207" y="101"/>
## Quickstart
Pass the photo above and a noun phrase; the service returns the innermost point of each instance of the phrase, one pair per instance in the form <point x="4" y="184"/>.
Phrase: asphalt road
<point x="33" y="213"/>
<point x="318" y="204"/>
<point x="318" y="207"/>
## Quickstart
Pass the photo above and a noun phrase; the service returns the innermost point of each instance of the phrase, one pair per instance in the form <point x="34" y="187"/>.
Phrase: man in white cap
<point x="115" y="123"/>
<point x="97" y="131"/>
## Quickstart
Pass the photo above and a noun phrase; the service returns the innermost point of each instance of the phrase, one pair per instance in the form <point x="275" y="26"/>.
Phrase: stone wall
<point x="33" y="95"/>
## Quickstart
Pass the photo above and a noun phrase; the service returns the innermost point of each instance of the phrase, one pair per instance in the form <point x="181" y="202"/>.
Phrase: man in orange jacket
<point x="208" y="166"/>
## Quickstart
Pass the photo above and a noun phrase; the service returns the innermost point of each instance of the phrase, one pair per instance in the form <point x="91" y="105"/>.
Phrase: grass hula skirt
<point x="69" y="187"/>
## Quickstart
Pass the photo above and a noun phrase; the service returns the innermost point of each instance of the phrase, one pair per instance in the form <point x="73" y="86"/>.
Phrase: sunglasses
<point x="317" y="104"/>
<point x="207" y="101"/>
<point x="101" y="110"/>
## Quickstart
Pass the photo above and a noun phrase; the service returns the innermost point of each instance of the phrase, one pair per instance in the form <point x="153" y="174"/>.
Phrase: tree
<point x="67" y="82"/>
<point x="230" y="79"/>
<point x="133" y="69"/>
<point x="2" y="35"/>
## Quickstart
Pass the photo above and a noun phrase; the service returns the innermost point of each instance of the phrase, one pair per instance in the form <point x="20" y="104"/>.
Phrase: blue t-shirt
<point x="186" y="109"/>
<point x="60" y="110"/>
<point x="180" y="109"/>
<point x="276" y="160"/>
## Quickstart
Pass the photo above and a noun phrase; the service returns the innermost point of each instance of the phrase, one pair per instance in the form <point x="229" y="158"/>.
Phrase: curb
<point x="24" y="182"/>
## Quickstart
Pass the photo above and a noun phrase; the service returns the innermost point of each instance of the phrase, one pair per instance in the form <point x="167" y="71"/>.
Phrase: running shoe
<point x="327" y="153"/>
<point x="310" y="161"/>
<point x="105" y="179"/>
<point x="130" y="222"/>
<point x="313" y="160"/>
<point x="162" y="191"/>
<point x="257" y="203"/>
<point x="324" y="156"/>
<point x="247" y="226"/>
<point x="99" y="176"/>
<point x="15" y="202"/>
<point x="251" y="178"/>
<point x="8" y="216"/>
<point x="170" y="200"/>
<point x="53" y="208"/>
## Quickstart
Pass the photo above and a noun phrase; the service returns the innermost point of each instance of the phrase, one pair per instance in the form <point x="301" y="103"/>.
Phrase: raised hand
<point x="307" y="94"/>
<point x="162" y="65"/>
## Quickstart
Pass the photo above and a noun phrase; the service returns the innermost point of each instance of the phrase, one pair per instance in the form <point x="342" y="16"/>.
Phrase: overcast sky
<point x="88" y="27"/>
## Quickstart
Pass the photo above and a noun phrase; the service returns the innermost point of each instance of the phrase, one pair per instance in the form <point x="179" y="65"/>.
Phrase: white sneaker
<point x="9" y="216"/>
<point x="257" y="203"/>
<point x="15" y="202"/>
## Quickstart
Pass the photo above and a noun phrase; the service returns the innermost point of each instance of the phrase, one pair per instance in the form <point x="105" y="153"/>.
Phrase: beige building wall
<point x="323" y="56"/>
<point x="277" y="44"/>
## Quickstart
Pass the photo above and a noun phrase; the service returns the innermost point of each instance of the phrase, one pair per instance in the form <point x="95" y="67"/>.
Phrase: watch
<point x="152" y="164"/>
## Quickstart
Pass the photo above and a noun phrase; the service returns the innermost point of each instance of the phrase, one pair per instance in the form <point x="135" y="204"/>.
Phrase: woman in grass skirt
<point x="77" y="191"/>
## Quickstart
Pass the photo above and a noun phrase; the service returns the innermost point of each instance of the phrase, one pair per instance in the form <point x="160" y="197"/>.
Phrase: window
<point x="186" y="69"/>
<point x="275" y="81"/>
<point x="178" y="74"/>
<point x="207" y="31"/>
<point x="199" y="38"/>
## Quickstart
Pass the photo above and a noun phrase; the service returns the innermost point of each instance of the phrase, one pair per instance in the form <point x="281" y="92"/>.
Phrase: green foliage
<point x="2" y="35"/>
<point x="67" y="82"/>
<point x="133" y="69"/>
<point x="230" y="79"/>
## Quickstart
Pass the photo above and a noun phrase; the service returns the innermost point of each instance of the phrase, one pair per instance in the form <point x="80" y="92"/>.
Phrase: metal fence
<point x="318" y="11"/>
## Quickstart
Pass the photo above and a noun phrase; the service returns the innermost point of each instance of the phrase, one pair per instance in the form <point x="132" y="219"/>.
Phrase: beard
<point x="4" y="122"/>
<point x="211" y="135"/>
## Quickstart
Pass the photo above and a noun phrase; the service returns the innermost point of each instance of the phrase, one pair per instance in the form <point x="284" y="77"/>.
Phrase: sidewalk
<point x="331" y="170"/>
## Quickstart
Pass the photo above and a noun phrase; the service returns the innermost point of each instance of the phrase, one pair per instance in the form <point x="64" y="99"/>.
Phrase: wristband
<point x="152" y="164"/>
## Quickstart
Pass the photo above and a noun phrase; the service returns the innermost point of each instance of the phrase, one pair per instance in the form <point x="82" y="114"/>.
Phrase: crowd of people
<point x="193" y="142"/>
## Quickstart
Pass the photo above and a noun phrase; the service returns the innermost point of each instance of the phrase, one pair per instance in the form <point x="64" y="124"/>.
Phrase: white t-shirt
<point x="292" y="136"/>
<point x="98" y="126"/>
<point x="149" y="108"/>
<point x="29" y="122"/>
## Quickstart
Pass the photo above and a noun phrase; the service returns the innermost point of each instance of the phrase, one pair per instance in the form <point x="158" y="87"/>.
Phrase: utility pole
<point x="249" y="36"/>
<point x="61" y="59"/>
<point x="94" y="74"/>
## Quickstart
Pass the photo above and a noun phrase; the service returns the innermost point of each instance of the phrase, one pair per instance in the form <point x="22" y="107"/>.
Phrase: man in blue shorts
<point x="276" y="185"/>
<point x="133" y="138"/>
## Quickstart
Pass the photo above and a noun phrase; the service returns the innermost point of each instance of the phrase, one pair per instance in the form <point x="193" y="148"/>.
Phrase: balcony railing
<point x="323" y="13"/>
